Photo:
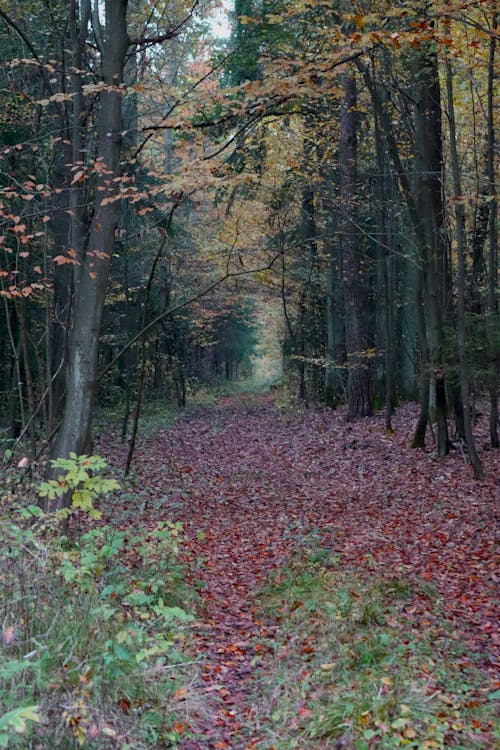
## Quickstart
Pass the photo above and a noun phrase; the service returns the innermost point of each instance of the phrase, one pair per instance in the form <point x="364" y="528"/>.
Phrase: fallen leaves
<point x="256" y="483"/>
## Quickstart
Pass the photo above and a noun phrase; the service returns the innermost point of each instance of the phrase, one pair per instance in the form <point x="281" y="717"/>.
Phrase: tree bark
<point x="477" y="466"/>
<point x="358" y="379"/>
<point x="493" y="247"/>
<point x="92" y="274"/>
<point x="429" y="200"/>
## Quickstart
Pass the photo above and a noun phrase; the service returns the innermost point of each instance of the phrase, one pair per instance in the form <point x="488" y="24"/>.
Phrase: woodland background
<point x="333" y="165"/>
<point x="256" y="273"/>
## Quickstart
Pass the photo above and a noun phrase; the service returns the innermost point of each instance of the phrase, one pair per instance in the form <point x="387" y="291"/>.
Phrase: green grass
<point x="158" y="415"/>
<point x="94" y="635"/>
<point x="355" y="667"/>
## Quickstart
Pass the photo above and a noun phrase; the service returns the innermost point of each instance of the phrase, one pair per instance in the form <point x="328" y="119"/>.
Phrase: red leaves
<point x="125" y="706"/>
<point x="251" y="484"/>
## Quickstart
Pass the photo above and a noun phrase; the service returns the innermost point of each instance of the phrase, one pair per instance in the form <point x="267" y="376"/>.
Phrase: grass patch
<point x="366" y="662"/>
<point x="93" y="637"/>
<point x="159" y="414"/>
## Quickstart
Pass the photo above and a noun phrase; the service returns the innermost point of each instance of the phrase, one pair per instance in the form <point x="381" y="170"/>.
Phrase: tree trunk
<point x="429" y="201"/>
<point x="386" y="261"/>
<point x="461" y="250"/>
<point x="493" y="249"/>
<point x="358" y="379"/>
<point x="426" y="214"/>
<point x="423" y="416"/>
<point x="92" y="274"/>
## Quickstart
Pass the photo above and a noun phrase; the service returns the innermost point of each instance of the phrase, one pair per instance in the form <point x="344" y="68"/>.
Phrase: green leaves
<point x="17" y="721"/>
<point x="82" y="480"/>
<point x="88" y="627"/>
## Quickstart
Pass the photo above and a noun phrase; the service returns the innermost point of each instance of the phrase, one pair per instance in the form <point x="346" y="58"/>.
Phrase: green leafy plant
<point x="16" y="721"/>
<point x="82" y="479"/>
<point x="92" y="636"/>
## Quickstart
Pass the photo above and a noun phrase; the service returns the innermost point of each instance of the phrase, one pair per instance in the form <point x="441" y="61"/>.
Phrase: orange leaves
<point x="63" y="259"/>
<point x="125" y="706"/>
<point x="19" y="291"/>
<point x="8" y="635"/>
<point x="61" y="96"/>
<point x="78" y="177"/>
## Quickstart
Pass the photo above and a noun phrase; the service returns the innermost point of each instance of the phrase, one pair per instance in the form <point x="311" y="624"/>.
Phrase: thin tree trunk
<point x="330" y="397"/>
<point x="423" y="417"/>
<point x="387" y="262"/>
<point x="358" y="379"/>
<point x="493" y="248"/>
<point x="16" y="379"/>
<point x="144" y="351"/>
<point x="461" y="250"/>
<point x="30" y="394"/>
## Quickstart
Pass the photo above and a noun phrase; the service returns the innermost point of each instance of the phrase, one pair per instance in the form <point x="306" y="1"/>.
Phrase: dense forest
<point x="161" y="188"/>
<point x="297" y="197"/>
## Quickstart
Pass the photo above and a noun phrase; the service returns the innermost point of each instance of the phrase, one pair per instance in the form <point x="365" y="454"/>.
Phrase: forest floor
<point x="266" y="496"/>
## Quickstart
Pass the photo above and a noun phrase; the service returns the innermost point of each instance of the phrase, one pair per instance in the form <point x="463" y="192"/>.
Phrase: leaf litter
<point x="250" y="482"/>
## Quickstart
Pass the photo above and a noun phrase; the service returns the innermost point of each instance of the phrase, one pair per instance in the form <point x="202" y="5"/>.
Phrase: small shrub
<point x="82" y="480"/>
<point x="93" y="636"/>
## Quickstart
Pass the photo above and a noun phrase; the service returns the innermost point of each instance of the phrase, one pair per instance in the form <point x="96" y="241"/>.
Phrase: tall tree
<point x="95" y="259"/>
<point x="461" y="269"/>
<point x="436" y="293"/>
<point x="358" y="378"/>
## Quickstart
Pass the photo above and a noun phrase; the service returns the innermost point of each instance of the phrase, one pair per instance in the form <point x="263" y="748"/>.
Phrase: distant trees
<point x="390" y="220"/>
<point x="348" y="156"/>
<point x="71" y="184"/>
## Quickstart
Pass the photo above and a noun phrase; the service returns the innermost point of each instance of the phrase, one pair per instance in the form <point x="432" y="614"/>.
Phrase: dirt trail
<point x="249" y="483"/>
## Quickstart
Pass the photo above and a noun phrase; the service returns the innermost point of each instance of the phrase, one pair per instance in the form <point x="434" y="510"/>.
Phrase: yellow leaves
<point x="359" y="21"/>
<point x="61" y="96"/>
<point x="274" y="18"/>
<point x="110" y="199"/>
<point x="18" y="719"/>
<point x="94" y="88"/>
<point x="8" y="633"/>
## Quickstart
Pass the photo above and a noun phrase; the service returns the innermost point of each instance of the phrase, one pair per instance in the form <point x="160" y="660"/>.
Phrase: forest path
<point x="250" y="483"/>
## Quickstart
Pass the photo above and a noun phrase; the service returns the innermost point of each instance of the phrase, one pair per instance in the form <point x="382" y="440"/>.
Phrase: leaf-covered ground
<point x="250" y="483"/>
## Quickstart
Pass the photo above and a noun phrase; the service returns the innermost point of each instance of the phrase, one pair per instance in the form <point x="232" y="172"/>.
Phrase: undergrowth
<point x="94" y="633"/>
<point x="356" y="665"/>
<point x="159" y="414"/>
